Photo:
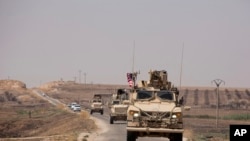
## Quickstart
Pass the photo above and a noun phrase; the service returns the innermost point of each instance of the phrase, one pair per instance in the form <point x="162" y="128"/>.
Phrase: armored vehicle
<point x="154" y="109"/>
<point x="118" y="106"/>
<point x="96" y="104"/>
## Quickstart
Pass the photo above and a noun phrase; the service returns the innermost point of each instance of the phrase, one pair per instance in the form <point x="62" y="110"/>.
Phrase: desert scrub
<point x="199" y="116"/>
<point x="22" y="112"/>
<point x="238" y="117"/>
<point x="84" y="115"/>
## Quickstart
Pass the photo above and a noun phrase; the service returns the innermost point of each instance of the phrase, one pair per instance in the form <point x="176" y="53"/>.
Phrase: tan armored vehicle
<point x="155" y="109"/>
<point x="118" y="106"/>
<point x="96" y="104"/>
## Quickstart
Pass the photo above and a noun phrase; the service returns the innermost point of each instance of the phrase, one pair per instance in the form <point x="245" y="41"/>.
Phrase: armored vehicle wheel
<point x="131" y="136"/>
<point x="111" y="120"/>
<point x="176" y="137"/>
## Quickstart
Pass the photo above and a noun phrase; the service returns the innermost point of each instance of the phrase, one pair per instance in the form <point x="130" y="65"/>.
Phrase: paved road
<point x="46" y="97"/>
<point x="116" y="131"/>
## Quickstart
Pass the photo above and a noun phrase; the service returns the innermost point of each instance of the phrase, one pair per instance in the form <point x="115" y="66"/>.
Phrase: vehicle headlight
<point x="176" y="115"/>
<point x="134" y="113"/>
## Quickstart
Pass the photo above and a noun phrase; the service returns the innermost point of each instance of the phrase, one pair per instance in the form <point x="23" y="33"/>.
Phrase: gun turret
<point x="159" y="79"/>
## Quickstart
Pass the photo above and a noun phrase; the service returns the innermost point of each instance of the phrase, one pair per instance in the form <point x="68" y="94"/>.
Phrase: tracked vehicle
<point x="154" y="109"/>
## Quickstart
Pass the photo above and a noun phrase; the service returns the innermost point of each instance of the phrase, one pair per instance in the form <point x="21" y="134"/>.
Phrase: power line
<point x="218" y="83"/>
<point x="85" y="77"/>
<point x="80" y="75"/>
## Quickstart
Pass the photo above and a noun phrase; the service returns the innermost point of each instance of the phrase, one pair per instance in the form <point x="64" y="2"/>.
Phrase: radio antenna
<point x="133" y="63"/>
<point x="134" y="74"/>
<point x="181" y="64"/>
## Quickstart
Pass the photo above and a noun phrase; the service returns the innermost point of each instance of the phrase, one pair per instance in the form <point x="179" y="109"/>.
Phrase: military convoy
<point x="151" y="108"/>
<point x="96" y="104"/>
<point x="154" y="109"/>
<point x="118" y="106"/>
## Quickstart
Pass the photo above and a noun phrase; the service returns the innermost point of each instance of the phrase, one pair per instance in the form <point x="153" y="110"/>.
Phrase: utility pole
<point x="85" y="77"/>
<point x="80" y="74"/>
<point x="217" y="82"/>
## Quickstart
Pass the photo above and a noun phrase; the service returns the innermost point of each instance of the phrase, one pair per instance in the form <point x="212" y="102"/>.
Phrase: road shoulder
<point x="91" y="136"/>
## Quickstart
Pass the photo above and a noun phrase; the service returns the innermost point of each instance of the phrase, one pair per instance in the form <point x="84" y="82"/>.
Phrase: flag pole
<point x="133" y="64"/>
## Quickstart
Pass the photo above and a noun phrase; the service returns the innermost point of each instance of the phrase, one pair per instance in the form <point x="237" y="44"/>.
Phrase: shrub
<point x="199" y="116"/>
<point x="238" y="117"/>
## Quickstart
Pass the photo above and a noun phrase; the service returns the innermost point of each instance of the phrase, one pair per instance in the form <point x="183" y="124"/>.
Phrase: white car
<point x="71" y="105"/>
<point x="43" y="94"/>
<point x="76" y="107"/>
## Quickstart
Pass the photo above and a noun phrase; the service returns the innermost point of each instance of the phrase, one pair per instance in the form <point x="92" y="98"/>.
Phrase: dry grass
<point x="45" y="121"/>
<point x="84" y="115"/>
<point x="61" y="106"/>
<point x="201" y="122"/>
<point x="188" y="133"/>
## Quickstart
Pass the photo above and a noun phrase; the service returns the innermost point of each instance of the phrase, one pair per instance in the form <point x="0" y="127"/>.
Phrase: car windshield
<point x="116" y="102"/>
<point x="97" y="100"/>
<point x="165" y="95"/>
<point x="141" y="95"/>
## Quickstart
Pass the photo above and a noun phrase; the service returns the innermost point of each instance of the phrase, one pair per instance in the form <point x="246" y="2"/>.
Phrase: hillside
<point x="26" y="116"/>
<point x="12" y="84"/>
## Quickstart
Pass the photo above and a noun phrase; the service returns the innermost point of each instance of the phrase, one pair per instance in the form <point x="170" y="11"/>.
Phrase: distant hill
<point x="12" y="84"/>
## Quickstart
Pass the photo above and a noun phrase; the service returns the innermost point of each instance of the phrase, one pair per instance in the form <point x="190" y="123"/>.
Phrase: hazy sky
<point x="46" y="40"/>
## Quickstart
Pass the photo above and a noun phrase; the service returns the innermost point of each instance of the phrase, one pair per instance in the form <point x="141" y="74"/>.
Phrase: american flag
<point x="129" y="76"/>
<point x="130" y="79"/>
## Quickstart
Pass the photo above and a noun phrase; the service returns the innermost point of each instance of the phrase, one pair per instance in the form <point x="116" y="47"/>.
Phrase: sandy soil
<point x="91" y="136"/>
